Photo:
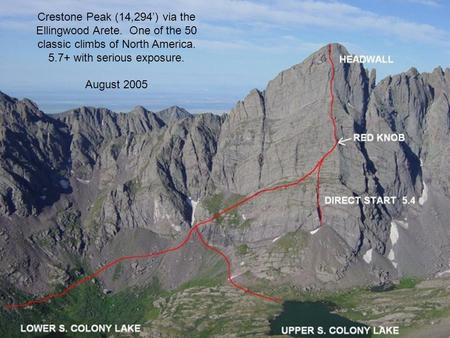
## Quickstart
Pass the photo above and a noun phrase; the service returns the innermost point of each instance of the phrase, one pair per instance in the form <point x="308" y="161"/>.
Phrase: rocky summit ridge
<point x="90" y="184"/>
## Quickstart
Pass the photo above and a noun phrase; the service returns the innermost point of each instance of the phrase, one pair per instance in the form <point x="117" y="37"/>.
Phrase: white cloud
<point x="270" y="45"/>
<point x="281" y="13"/>
<point x="432" y="3"/>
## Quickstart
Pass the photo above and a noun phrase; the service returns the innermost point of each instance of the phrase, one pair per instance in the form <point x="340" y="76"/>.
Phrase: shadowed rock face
<point x="93" y="184"/>
<point x="34" y="157"/>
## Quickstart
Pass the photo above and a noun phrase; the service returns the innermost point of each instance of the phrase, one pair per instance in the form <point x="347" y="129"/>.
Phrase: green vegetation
<point x="94" y="213"/>
<point x="206" y="306"/>
<point x="97" y="205"/>
<point x="291" y="241"/>
<point x="69" y="219"/>
<point x="214" y="203"/>
<point x="242" y="249"/>
<point x="88" y="305"/>
<point x="407" y="283"/>
<point x="117" y="272"/>
<point x="218" y="202"/>
<point x="201" y="282"/>
<point x="212" y="275"/>
<point x="412" y="304"/>
<point x="213" y="311"/>
<point x="245" y="224"/>
<point x="416" y="304"/>
<point x="67" y="231"/>
<point x="233" y="218"/>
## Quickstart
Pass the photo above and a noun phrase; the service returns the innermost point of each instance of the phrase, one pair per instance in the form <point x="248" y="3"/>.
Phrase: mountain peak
<point x="172" y="113"/>
<point x="24" y="109"/>
<point x="6" y="98"/>
<point x="139" y="109"/>
<point x="322" y="54"/>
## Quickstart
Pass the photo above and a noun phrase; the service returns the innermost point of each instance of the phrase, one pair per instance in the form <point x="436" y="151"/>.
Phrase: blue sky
<point x="240" y="45"/>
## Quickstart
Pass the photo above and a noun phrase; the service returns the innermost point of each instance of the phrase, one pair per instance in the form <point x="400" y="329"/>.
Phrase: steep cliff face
<point x="90" y="184"/>
<point x="34" y="154"/>
<point x="278" y="135"/>
<point x="416" y="105"/>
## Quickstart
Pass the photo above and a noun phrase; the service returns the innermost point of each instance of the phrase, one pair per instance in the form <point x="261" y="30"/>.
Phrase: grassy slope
<point x="206" y="306"/>
<point x="86" y="304"/>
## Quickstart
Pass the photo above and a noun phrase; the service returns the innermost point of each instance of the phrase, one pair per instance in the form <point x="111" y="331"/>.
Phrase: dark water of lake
<point x="315" y="315"/>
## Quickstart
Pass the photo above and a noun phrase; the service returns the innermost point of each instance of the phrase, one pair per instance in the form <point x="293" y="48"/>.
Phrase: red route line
<point x="335" y="138"/>
<point x="207" y="221"/>
<point x="229" y="276"/>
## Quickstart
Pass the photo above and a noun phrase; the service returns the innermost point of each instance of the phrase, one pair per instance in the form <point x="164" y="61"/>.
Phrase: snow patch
<point x="443" y="273"/>
<point x="424" y="197"/>
<point x="159" y="212"/>
<point x="312" y="232"/>
<point x="394" y="235"/>
<point x="176" y="227"/>
<point x="194" y="206"/>
<point x="236" y="275"/>
<point x="368" y="256"/>
<point x="276" y="239"/>
<point x="64" y="184"/>
<point x="403" y="224"/>
<point x="83" y="181"/>
<point x="156" y="211"/>
<point x="391" y="255"/>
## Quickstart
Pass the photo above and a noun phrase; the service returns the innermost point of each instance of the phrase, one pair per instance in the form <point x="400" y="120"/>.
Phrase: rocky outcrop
<point x="172" y="114"/>
<point x="97" y="184"/>
<point x="34" y="158"/>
